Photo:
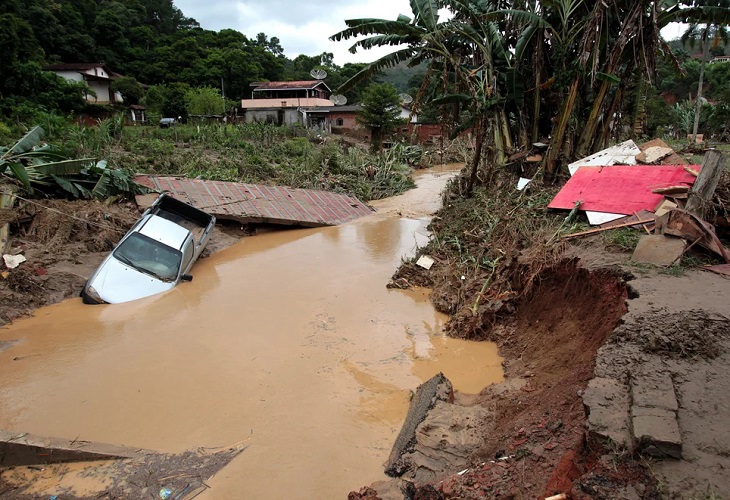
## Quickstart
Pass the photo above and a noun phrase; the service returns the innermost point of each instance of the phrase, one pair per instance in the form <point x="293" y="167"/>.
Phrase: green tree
<point x="206" y="101"/>
<point x="174" y="104"/>
<point x="130" y="89"/>
<point x="380" y="111"/>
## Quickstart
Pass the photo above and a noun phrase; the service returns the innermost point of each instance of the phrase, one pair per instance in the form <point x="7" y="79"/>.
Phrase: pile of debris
<point x="652" y="189"/>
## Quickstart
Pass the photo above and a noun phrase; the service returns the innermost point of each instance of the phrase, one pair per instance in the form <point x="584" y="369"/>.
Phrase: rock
<point x="656" y="432"/>
<point x="607" y="404"/>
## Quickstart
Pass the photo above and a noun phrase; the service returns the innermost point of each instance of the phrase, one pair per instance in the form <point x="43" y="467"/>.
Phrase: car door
<point x="188" y="254"/>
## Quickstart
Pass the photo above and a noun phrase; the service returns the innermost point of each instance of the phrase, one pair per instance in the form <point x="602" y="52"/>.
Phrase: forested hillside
<point x="151" y="41"/>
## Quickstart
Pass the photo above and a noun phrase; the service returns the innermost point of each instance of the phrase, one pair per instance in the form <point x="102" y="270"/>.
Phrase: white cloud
<point x="302" y="28"/>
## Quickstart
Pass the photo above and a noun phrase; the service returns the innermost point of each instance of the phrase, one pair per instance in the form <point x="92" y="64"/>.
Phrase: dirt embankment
<point x="533" y="435"/>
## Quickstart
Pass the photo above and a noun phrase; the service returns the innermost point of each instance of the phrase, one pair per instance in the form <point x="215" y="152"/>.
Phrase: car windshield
<point x="149" y="256"/>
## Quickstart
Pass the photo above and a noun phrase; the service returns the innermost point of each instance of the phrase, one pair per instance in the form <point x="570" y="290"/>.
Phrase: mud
<point x="680" y="326"/>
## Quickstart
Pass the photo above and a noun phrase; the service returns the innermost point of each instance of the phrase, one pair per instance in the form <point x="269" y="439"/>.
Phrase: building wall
<point x="305" y="102"/>
<point x="277" y="116"/>
<point x="424" y="132"/>
<point x="102" y="91"/>
<point x="348" y="121"/>
<point x="74" y="76"/>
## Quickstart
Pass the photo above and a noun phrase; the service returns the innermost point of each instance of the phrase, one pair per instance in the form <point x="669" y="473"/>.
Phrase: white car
<point x="154" y="256"/>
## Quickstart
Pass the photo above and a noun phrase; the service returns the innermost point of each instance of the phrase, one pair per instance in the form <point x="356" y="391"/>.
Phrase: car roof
<point x="164" y="231"/>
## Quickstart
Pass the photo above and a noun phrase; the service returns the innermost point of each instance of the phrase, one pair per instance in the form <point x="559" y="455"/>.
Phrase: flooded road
<point x="288" y="342"/>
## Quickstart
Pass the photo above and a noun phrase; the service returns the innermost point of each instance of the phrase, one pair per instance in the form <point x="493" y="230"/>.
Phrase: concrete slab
<point x="658" y="250"/>
<point x="21" y="448"/>
<point x="656" y="432"/>
<point x="258" y="203"/>
<point x="607" y="404"/>
<point x="437" y="388"/>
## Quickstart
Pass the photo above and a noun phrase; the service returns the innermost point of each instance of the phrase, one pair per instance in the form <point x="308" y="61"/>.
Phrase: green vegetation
<point x="575" y="71"/>
<point x="255" y="153"/>
<point x="49" y="170"/>
<point x="380" y="111"/>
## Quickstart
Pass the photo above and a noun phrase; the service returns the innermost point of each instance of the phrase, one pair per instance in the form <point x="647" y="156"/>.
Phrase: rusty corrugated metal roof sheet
<point x="260" y="203"/>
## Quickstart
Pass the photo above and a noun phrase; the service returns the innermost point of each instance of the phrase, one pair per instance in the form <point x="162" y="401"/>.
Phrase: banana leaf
<point x="28" y="142"/>
<point x="66" y="167"/>
<point x="18" y="171"/>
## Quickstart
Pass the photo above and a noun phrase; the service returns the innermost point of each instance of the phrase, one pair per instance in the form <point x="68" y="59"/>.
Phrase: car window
<point x="149" y="256"/>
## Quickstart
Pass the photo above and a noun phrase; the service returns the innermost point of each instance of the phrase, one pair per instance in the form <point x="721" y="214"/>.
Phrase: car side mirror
<point x="186" y="277"/>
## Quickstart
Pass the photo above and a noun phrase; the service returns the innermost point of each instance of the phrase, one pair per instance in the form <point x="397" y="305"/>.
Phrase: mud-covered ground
<point x="556" y="330"/>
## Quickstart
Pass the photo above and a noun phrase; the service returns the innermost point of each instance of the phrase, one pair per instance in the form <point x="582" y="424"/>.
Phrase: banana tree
<point x="44" y="168"/>
<point x="468" y="49"/>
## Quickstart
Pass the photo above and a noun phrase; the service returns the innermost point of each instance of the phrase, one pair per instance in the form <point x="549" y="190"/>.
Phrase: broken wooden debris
<point x="21" y="448"/>
<point x="664" y="207"/>
<point x="683" y="224"/>
<point x="6" y="202"/>
<point x="619" y="189"/>
<point x="723" y="269"/>
<point x="608" y="228"/>
<point x="692" y="171"/>
<point x="658" y="250"/>
<point x="704" y="187"/>
<point x="653" y="154"/>
<point x="643" y="219"/>
<point x="620" y="154"/>
<point x="672" y="159"/>
<point x="672" y="191"/>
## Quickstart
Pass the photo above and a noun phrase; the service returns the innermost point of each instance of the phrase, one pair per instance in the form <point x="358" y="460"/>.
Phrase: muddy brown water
<point x="288" y="342"/>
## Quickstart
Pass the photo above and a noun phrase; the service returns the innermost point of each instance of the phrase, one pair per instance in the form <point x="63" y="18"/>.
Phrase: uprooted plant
<point x="49" y="170"/>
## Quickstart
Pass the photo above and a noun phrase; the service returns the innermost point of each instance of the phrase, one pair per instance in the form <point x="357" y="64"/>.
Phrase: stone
<point x="659" y="250"/>
<point x="656" y="432"/>
<point x="607" y="405"/>
<point x="654" y="390"/>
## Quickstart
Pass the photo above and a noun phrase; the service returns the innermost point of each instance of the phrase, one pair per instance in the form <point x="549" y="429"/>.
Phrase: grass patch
<point x="253" y="153"/>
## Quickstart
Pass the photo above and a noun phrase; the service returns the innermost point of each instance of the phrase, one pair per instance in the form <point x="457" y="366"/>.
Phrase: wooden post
<point x="6" y="201"/>
<point x="704" y="188"/>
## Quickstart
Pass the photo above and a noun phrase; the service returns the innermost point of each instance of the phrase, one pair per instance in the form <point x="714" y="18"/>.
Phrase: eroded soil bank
<point x="532" y="435"/>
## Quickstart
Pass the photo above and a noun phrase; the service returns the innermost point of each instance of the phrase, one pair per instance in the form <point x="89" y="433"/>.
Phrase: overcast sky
<point x="302" y="27"/>
<point x="305" y="27"/>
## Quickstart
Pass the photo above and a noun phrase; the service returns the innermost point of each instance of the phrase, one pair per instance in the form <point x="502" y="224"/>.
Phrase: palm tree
<point x="707" y="22"/>
<point x="463" y="49"/>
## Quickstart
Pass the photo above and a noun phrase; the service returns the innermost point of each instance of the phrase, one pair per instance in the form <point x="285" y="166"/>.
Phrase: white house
<point x="97" y="77"/>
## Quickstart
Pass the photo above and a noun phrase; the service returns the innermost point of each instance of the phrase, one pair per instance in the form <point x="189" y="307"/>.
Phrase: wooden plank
<point x="619" y="189"/>
<point x="704" y="187"/>
<point x="602" y="229"/>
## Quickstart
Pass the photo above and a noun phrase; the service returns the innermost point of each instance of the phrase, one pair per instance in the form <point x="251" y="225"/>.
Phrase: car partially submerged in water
<point x="154" y="256"/>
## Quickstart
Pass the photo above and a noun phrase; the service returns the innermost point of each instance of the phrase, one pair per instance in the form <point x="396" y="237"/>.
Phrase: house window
<point x="339" y="122"/>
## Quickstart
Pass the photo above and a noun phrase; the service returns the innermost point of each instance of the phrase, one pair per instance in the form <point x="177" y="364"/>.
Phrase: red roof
<point x="299" y="85"/>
